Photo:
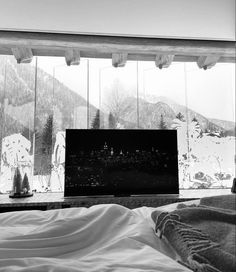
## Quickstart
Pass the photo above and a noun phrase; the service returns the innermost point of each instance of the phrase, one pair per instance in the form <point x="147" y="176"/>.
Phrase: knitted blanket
<point x="203" y="236"/>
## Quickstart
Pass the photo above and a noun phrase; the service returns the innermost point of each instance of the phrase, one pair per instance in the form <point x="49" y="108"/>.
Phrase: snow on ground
<point x="210" y="162"/>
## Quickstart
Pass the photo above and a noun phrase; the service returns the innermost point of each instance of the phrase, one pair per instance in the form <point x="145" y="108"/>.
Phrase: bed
<point x="107" y="237"/>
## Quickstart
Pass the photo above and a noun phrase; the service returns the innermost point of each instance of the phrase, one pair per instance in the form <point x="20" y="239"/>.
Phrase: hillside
<point x="204" y="122"/>
<point x="150" y="114"/>
<point x="18" y="98"/>
<point x="227" y="125"/>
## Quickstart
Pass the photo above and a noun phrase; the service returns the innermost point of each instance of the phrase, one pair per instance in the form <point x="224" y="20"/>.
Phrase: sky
<point x="209" y="92"/>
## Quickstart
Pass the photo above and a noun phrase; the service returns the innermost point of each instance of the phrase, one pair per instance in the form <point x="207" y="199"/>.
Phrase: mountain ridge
<point x="205" y="122"/>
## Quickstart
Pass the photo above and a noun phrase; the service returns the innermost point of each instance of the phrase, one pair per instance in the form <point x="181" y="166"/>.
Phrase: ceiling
<point x="200" y="31"/>
<point x="180" y="19"/>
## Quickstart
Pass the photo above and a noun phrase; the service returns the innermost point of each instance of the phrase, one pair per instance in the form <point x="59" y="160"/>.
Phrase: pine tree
<point x="162" y="124"/>
<point x="180" y="116"/>
<point x="194" y="119"/>
<point x="96" y="121"/>
<point x="17" y="182"/>
<point x="111" y="121"/>
<point x="25" y="184"/>
<point x="27" y="133"/>
<point x="47" y="135"/>
<point x="195" y="129"/>
<point x="223" y="133"/>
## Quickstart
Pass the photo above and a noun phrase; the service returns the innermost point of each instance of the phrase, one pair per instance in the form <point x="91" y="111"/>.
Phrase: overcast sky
<point x="210" y="92"/>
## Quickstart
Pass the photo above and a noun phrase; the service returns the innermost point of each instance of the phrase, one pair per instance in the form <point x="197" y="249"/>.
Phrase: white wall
<point x="200" y="19"/>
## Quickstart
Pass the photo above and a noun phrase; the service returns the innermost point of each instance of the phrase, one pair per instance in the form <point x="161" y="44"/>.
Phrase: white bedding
<point x="99" y="238"/>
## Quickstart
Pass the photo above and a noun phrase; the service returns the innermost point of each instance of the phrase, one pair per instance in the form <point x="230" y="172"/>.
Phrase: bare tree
<point x="117" y="101"/>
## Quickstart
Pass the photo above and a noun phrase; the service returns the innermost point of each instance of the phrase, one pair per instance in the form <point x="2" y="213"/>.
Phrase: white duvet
<point x="99" y="238"/>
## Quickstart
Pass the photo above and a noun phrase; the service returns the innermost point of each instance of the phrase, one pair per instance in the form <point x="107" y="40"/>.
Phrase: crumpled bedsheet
<point x="100" y="238"/>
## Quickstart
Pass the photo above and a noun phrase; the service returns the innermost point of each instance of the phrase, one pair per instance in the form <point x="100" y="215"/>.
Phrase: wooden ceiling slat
<point x="131" y="57"/>
<point x="49" y="44"/>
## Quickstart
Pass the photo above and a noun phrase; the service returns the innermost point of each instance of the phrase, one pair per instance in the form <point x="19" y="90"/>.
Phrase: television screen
<point x="121" y="162"/>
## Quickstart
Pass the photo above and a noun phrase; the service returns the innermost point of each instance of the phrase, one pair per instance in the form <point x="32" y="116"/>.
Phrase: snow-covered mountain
<point x="227" y="125"/>
<point x="17" y="97"/>
<point x="204" y="122"/>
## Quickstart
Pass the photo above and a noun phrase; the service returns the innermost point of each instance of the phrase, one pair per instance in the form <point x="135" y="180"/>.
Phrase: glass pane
<point x="43" y="128"/>
<point x="162" y="104"/>
<point x="70" y="111"/>
<point x="16" y="120"/>
<point x="211" y="128"/>
<point x="162" y="95"/>
<point x="119" y="96"/>
<point x="201" y="106"/>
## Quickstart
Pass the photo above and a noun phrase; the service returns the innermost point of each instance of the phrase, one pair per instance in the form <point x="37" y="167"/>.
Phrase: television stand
<point x="122" y="195"/>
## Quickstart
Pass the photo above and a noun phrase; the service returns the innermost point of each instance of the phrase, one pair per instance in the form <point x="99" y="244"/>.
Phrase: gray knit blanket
<point x="204" y="235"/>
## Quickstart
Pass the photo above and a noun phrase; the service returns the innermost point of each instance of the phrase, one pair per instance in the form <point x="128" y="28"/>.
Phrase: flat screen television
<point x="121" y="162"/>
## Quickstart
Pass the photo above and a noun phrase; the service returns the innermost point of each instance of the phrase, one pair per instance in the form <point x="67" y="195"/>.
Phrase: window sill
<point x="47" y="201"/>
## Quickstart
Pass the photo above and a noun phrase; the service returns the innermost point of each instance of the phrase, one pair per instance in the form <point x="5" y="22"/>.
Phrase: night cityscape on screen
<point x="121" y="162"/>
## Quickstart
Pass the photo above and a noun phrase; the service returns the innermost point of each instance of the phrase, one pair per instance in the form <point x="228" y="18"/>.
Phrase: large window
<point x="39" y="101"/>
